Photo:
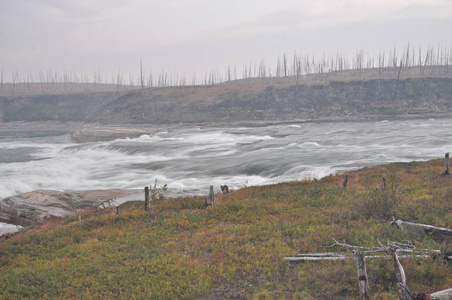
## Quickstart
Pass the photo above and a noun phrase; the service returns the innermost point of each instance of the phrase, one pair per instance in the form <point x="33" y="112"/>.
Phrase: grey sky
<point x="200" y="35"/>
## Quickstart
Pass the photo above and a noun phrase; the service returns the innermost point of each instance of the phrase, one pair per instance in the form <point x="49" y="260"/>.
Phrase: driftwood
<point x="363" y="281"/>
<point x="428" y="228"/>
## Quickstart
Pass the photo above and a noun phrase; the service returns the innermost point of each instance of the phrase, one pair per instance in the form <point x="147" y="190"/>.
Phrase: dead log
<point x="442" y="295"/>
<point x="337" y="256"/>
<point x="363" y="282"/>
<point x="428" y="228"/>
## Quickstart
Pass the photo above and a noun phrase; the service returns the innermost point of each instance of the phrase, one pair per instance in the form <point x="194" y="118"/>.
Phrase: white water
<point x="190" y="160"/>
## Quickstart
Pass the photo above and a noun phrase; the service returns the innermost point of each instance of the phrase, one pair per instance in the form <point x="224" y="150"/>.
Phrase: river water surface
<point x="190" y="160"/>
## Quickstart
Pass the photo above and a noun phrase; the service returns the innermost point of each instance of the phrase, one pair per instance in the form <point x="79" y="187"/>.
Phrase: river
<point x="190" y="160"/>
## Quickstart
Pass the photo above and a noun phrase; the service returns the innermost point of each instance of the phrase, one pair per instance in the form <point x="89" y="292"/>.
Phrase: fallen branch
<point x="428" y="228"/>
<point x="315" y="256"/>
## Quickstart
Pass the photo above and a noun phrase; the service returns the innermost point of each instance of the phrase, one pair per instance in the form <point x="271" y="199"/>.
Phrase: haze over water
<point x="190" y="160"/>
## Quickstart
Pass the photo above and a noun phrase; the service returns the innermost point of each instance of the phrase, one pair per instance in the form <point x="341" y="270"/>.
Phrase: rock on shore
<point x="39" y="206"/>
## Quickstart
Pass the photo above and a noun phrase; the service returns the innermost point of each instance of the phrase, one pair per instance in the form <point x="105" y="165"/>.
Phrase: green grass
<point x="182" y="250"/>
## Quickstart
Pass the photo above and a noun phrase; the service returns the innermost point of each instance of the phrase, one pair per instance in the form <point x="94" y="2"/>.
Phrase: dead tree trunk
<point x="446" y="164"/>
<point x="146" y="198"/>
<point x="428" y="228"/>
<point x="400" y="275"/>
<point x="345" y="182"/>
<point x="383" y="184"/>
<point x="362" y="277"/>
<point x="211" y="197"/>
<point x="317" y="187"/>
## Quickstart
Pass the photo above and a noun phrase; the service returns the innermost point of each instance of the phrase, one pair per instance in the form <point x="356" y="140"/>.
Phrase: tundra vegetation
<point x="236" y="248"/>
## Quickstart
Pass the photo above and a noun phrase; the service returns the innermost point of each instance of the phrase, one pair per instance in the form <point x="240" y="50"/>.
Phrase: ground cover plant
<point x="235" y="249"/>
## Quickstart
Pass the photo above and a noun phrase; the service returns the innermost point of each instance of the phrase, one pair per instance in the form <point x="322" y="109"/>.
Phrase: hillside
<point x="346" y="95"/>
<point x="235" y="249"/>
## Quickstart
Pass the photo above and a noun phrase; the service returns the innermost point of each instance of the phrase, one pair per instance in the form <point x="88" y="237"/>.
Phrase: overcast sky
<point x="199" y="35"/>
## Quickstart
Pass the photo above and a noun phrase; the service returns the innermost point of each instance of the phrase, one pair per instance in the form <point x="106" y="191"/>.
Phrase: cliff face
<point x="241" y="101"/>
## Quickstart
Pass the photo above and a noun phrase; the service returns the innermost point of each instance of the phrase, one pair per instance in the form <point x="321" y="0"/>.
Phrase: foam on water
<point x="190" y="160"/>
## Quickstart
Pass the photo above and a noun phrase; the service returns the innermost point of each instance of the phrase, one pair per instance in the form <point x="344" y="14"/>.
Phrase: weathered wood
<point x="400" y="275"/>
<point x="442" y="295"/>
<point x="117" y="210"/>
<point x="146" y="198"/>
<point x="314" y="257"/>
<point x="317" y="187"/>
<point x="383" y="184"/>
<point x="428" y="228"/>
<point x="446" y="164"/>
<point x="224" y="189"/>
<point x="363" y="281"/>
<point x="79" y="219"/>
<point x="345" y="182"/>
<point x="211" y="196"/>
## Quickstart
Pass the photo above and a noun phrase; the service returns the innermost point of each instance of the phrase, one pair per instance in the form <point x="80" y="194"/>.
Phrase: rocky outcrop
<point x="40" y="206"/>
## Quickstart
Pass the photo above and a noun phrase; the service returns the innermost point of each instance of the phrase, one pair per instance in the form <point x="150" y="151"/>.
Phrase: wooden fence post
<point x="446" y="164"/>
<point x="345" y="182"/>
<point x="363" y="282"/>
<point x="146" y="198"/>
<point x="317" y="187"/>
<point x="211" y="197"/>
<point x="383" y="184"/>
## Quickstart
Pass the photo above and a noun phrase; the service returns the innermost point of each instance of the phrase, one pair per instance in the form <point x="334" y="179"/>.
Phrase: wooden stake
<point x="317" y="187"/>
<point x="211" y="196"/>
<point x="383" y="184"/>
<point x="363" y="282"/>
<point x="146" y="198"/>
<point x="446" y="164"/>
<point x="345" y="182"/>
